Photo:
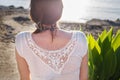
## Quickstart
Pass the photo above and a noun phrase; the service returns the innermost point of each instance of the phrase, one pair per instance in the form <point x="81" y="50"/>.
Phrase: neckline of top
<point x="56" y="50"/>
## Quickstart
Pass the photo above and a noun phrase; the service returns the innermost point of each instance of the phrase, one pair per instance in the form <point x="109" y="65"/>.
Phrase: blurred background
<point x="80" y="10"/>
<point x="90" y="16"/>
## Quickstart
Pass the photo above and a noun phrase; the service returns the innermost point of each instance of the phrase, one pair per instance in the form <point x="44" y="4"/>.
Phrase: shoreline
<point x="79" y="19"/>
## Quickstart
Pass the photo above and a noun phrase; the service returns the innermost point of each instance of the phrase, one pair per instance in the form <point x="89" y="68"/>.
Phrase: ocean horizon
<point x="80" y="11"/>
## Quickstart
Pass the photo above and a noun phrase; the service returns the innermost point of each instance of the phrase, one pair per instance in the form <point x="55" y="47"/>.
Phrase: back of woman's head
<point x="46" y="11"/>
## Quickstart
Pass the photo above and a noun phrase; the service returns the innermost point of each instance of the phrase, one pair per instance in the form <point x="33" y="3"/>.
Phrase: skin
<point x="22" y="67"/>
<point x="84" y="68"/>
<point x="61" y="39"/>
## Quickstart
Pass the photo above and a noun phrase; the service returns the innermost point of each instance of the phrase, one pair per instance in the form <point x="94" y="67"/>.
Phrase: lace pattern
<point x="54" y="59"/>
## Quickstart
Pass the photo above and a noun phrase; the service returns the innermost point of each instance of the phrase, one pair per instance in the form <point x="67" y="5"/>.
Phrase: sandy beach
<point x="14" y="20"/>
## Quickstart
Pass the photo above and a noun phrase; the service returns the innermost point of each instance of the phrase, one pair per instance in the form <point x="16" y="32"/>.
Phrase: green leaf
<point x="104" y="56"/>
<point x="116" y="41"/>
<point x="97" y="62"/>
<point x="116" y="75"/>
<point x="102" y="36"/>
<point x="91" y="42"/>
<point x="105" y="43"/>
<point x="109" y="34"/>
<point x="110" y="63"/>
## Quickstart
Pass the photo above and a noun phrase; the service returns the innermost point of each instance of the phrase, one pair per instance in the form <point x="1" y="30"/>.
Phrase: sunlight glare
<point x="75" y="9"/>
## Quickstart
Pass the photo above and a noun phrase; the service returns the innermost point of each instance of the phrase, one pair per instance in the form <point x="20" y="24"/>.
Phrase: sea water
<point x="80" y="10"/>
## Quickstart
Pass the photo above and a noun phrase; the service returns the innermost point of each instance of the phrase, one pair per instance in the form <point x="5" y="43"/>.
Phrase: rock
<point x="3" y="7"/>
<point x="11" y="7"/>
<point x="10" y="10"/>
<point x="6" y="33"/>
<point x="97" y="22"/>
<point x="95" y="27"/>
<point x="20" y="7"/>
<point x="113" y="23"/>
<point x="118" y="20"/>
<point x="22" y="20"/>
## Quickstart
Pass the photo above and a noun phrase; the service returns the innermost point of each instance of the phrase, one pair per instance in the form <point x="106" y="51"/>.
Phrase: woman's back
<point x="45" y="62"/>
<point x="50" y="53"/>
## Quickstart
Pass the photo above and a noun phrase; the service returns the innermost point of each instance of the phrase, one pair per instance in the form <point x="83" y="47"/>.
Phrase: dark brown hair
<point x="46" y="11"/>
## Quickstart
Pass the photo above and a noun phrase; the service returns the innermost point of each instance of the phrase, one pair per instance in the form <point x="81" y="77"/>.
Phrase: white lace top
<point x="62" y="64"/>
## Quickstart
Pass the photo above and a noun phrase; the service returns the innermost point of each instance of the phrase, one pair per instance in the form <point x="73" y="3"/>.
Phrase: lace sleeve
<point x="18" y="43"/>
<point x="83" y="43"/>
